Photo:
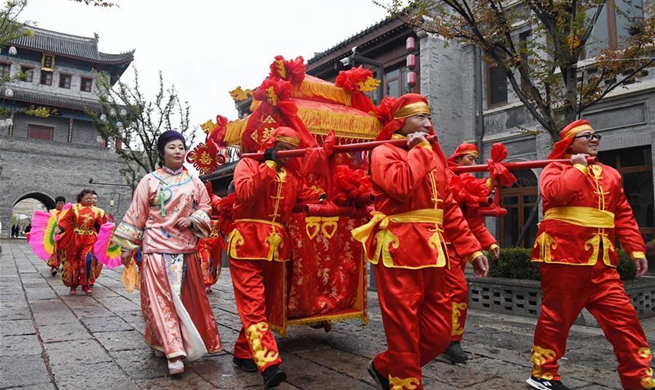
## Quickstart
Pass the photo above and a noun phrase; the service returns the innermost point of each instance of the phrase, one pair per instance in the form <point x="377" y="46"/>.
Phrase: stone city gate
<point x="42" y="170"/>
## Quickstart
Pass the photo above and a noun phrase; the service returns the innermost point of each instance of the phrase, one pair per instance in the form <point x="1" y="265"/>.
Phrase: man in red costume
<point x="406" y="242"/>
<point x="584" y="209"/>
<point x="259" y="246"/>
<point x="468" y="192"/>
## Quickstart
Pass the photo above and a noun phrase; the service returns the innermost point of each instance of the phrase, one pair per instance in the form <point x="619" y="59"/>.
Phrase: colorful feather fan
<point x="107" y="253"/>
<point x="42" y="235"/>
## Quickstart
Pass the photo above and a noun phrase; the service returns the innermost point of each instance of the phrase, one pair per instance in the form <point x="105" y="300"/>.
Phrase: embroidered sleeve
<point x="200" y="216"/>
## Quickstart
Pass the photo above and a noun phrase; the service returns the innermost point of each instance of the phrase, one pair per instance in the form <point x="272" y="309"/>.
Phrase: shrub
<point x="514" y="263"/>
<point x="626" y="266"/>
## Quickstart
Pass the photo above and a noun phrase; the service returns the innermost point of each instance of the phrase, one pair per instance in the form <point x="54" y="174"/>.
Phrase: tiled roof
<point x="346" y="42"/>
<point x="70" y="46"/>
<point x="49" y="99"/>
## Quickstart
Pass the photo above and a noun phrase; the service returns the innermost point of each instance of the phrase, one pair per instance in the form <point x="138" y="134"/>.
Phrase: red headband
<point x="567" y="136"/>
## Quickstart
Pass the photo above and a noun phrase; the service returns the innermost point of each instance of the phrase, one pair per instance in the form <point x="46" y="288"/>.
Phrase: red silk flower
<point x="292" y="71"/>
<point x="497" y="171"/>
<point x="383" y="111"/>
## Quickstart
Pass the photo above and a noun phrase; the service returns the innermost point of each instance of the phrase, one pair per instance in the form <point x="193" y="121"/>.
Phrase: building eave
<point x="69" y="46"/>
<point x="52" y="100"/>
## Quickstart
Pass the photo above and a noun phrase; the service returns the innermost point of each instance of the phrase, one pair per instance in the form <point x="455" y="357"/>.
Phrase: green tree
<point x="552" y="72"/>
<point x="97" y="3"/>
<point x="128" y="116"/>
<point x="11" y="27"/>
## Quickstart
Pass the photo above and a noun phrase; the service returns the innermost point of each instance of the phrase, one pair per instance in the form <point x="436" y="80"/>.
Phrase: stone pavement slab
<point x="51" y="340"/>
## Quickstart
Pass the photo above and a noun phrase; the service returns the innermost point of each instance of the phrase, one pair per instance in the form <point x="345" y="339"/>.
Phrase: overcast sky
<point x="208" y="47"/>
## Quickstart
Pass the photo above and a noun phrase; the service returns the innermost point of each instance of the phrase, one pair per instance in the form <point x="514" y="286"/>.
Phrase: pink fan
<point x="42" y="235"/>
<point x="107" y="253"/>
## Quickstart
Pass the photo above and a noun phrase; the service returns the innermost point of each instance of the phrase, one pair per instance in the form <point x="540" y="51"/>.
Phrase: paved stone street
<point x="50" y="340"/>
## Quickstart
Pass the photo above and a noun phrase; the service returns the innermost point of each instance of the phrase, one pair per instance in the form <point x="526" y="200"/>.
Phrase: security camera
<point x="345" y="61"/>
<point x="90" y="181"/>
<point x="354" y="49"/>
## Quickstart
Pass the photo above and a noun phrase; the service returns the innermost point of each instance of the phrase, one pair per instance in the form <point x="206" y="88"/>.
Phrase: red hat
<point x="286" y="135"/>
<point x="463" y="150"/>
<point x="282" y="134"/>
<point x="567" y="136"/>
<point x="407" y="105"/>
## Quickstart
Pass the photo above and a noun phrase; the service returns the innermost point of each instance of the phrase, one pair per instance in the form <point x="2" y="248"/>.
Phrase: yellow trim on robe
<point x="473" y="256"/>
<point x="403" y="383"/>
<point x="274" y="239"/>
<point x="539" y="357"/>
<point x="637" y="255"/>
<point x="260" y="354"/>
<point x="585" y="217"/>
<point x="582" y="168"/>
<point x="385" y="238"/>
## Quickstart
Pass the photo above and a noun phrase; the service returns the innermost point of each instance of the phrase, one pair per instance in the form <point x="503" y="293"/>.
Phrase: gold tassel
<point x="234" y="131"/>
<point x="328" y="318"/>
<point x="327" y="91"/>
<point x="364" y="127"/>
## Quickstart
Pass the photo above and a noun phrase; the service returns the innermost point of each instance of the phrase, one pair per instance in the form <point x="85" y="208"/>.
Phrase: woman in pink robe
<point x="169" y="211"/>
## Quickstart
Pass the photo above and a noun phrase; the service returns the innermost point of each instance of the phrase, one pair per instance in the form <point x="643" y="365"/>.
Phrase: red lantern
<point x="410" y="44"/>
<point x="411" y="61"/>
<point x="411" y="79"/>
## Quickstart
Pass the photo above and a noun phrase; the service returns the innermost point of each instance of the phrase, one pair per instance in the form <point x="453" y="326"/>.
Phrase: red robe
<point x="257" y="247"/>
<point x="80" y="225"/>
<point x="468" y="191"/>
<point x="584" y="210"/>
<point x="210" y="252"/>
<point x="408" y="248"/>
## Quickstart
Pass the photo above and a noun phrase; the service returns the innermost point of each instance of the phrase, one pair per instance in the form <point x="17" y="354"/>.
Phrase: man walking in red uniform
<point x="585" y="209"/>
<point x="468" y="191"/>
<point x="406" y="243"/>
<point x="259" y="246"/>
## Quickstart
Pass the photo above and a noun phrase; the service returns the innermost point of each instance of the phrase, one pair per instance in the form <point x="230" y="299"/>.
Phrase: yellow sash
<point x="585" y="217"/>
<point x="274" y="239"/>
<point x="385" y="238"/>
<point x="582" y="216"/>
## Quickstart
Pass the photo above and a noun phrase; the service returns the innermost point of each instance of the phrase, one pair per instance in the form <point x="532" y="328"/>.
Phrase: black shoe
<point x="542" y="384"/>
<point x="273" y="376"/>
<point x="247" y="365"/>
<point x="380" y="380"/>
<point x="455" y="353"/>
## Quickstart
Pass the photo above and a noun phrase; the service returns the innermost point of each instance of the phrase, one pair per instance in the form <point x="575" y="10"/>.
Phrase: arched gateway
<point x="48" y="144"/>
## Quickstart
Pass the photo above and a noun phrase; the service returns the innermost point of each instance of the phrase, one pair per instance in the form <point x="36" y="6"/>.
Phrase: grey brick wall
<point x="44" y="169"/>
<point x="447" y="84"/>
